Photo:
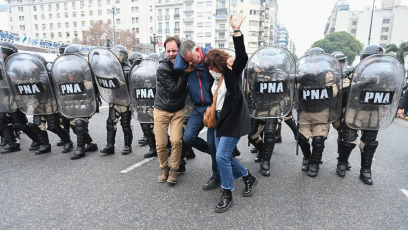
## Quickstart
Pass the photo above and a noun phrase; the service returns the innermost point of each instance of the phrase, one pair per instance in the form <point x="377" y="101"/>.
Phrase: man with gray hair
<point x="190" y="60"/>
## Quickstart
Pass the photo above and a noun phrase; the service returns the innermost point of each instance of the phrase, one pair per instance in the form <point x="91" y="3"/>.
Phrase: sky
<point x="305" y="20"/>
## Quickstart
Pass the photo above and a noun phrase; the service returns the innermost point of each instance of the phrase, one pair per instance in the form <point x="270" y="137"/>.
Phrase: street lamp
<point x="114" y="30"/>
<point x="371" y="23"/>
<point x="153" y="40"/>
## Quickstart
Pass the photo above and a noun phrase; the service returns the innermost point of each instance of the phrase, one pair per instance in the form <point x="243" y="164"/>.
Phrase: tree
<point x="95" y="35"/>
<point x="340" y="41"/>
<point x="127" y="39"/>
<point x="397" y="51"/>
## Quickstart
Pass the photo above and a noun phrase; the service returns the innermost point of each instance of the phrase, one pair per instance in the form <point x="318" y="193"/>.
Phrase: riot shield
<point x="109" y="76"/>
<point x="318" y="89"/>
<point x="73" y="84"/>
<point x="7" y="102"/>
<point x="374" y="93"/>
<point x="143" y="89"/>
<point x="269" y="82"/>
<point x="31" y="84"/>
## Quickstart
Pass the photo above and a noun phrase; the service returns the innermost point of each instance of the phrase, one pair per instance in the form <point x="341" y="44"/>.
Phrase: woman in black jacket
<point x="233" y="119"/>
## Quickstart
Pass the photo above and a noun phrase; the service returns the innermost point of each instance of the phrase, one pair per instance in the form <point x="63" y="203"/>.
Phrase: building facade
<point x="388" y="25"/>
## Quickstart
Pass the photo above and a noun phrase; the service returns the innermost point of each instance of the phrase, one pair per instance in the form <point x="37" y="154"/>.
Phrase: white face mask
<point x="215" y="75"/>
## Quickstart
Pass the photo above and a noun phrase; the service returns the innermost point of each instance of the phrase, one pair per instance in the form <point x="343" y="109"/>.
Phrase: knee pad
<point x="348" y="134"/>
<point x="37" y="120"/>
<point x="112" y="113"/>
<point x="80" y="126"/>
<point x="125" y="120"/>
<point x="370" y="147"/>
<point x="318" y="142"/>
<point x="369" y="136"/>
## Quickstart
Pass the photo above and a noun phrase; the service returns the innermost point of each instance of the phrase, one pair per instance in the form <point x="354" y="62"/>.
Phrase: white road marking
<point x="404" y="191"/>
<point x="137" y="165"/>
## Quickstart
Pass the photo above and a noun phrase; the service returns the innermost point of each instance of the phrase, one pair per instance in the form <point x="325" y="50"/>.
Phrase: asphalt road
<point x="52" y="192"/>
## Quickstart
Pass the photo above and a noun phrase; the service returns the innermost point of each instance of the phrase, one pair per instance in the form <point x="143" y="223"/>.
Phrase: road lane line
<point x="137" y="165"/>
<point x="404" y="191"/>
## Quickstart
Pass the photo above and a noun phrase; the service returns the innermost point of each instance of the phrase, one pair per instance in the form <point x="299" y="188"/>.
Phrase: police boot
<point x="278" y="138"/>
<point x="152" y="144"/>
<point x="307" y="154"/>
<point x="8" y="135"/>
<point x="66" y="140"/>
<point x="143" y="141"/>
<point x="110" y="147"/>
<point x="31" y="131"/>
<point x="344" y="149"/>
<point x="89" y="146"/>
<point x="292" y="125"/>
<point x="128" y="142"/>
<point x="318" y="146"/>
<point x="366" y="160"/>
<point x="260" y="147"/>
<point x="3" y="141"/>
<point x="45" y="143"/>
<point x="269" y="145"/>
<point x="80" y="130"/>
<point x="254" y="150"/>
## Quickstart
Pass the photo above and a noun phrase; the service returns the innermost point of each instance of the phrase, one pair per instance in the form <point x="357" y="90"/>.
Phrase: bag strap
<point x="218" y="87"/>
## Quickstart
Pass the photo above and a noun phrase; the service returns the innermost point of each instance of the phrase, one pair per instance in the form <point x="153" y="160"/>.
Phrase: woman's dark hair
<point x="216" y="58"/>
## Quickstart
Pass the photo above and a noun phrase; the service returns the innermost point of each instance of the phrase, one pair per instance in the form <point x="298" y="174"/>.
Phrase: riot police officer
<point x="348" y="136"/>
<point x="119" y="111"/>
<point x="15" y="121"/>
<point x="80" y="124"/>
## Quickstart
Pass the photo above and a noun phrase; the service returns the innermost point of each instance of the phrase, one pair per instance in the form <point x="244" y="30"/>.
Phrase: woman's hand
<point x="236" y="21"/>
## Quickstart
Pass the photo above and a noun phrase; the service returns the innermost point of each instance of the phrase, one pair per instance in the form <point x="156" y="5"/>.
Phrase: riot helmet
<point x="40" y="58"/>
<point x="135" y="56"/>
<point x="62" y="49"/>
<point x="8" y="49"/>
<point x="370" y="50"/>
<point x="315" y="50"/>
<point x="73" y="49"/>
<point x="121" y="53"/>
<point x="154" y="56"/>
<point x="341" y="57"/>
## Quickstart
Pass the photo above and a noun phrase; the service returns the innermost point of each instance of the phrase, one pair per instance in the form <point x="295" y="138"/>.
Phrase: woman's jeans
<point x="228" y="167"/>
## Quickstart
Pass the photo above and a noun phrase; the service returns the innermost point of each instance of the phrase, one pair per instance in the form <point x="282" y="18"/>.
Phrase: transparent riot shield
<point x="109" y="76"/>
<point x="74" y="87"/>
<point x="269" y="82"/>
<point x="7" y="102"/>
<point x="318" y="97"/>
<point x="31" y="84"/>
<point x="143" y="89"/>
<point x="374" y="93"/>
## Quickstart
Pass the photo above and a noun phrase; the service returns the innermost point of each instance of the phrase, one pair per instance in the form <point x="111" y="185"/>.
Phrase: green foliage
<point x="340" y="41"/>
<point x="399" y="51"/>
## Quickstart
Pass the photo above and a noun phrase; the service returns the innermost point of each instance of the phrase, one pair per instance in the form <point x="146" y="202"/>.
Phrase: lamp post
<point x="153" y="40"/>
<point x="114" y="29"/>
<point x="371" y="23"/>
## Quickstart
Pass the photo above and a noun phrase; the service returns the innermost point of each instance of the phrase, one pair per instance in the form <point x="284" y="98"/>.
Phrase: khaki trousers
<point x="162" y="120"/>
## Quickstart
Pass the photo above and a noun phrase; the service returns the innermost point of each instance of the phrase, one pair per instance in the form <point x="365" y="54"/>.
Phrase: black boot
<point x="269" y="145"/>
<point x="292" y="125"/>
<point x="45" y="143"/>
<point x="249" y="181"/>
<point x="318" y="146"/>
<point x="143" y="141"/>
<point x="307" y="154"/>
<point x="259" y="146"/>
<point x="366" y="161"/>
<point x="152" y="144"/>
<point x="89" y="145"/>
<point x="34" y="146"/>
<point x="344" y="150"/>
<point x="278" y="138"/>
<point x="110" y="147"/>
<point x="127" y="149"/>
<point x="225" y="201"/>
<point x="10" y="139"/>
<point x="182" y="166"/>
<point x="3" y="141"/>
<point x="254" y="150"/>
<point x="189" y="152"/>
<point x="80" y="130"/>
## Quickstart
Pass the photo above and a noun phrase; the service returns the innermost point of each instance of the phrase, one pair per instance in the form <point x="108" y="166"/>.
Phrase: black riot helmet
<point x="370" y="50"/>
<point x="73" y="49"/>
<point x="341" y="57"/>
<point x="8" y="49"/>
<point x="40" y="58"/>
<point x="154" y="56"/>
<point x="315" y="50"/>
<point x="62" y="49"/>
<point x="133" y="57"/>
<point x="120" y="52"/>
